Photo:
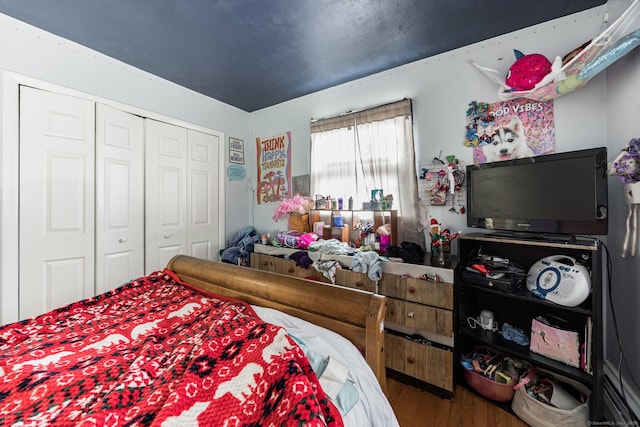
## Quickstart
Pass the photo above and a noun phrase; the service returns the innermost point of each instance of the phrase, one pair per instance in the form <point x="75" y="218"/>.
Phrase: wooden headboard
<point x="356" y="315"/>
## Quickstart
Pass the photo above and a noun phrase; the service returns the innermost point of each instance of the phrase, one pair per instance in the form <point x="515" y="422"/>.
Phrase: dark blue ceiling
<point x="256" y="53"/>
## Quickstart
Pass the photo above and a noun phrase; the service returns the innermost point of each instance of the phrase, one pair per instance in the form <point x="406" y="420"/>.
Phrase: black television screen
<point x="562" y="193"/>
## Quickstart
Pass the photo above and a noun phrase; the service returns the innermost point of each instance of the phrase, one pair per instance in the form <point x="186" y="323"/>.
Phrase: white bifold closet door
<point x="93" y="211"/>
<point x="57" y="152"/>
<point x="119" y="197"/>
<point x="181" y="194"/>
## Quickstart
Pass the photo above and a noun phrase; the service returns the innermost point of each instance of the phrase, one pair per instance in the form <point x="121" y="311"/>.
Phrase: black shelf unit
<point x="519" y="307"/>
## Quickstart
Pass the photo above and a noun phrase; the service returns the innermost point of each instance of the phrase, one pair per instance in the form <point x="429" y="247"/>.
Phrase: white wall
<point x="623" y="124"/>
<point x="441" y="88"/>
<point x="32" y="52"/>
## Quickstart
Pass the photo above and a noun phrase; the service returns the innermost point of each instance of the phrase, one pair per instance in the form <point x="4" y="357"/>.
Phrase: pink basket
<point x="489" y="388"/>
<point x="486" y="386"/>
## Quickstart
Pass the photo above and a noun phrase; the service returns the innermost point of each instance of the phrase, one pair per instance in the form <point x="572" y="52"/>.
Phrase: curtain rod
<point x="360" y="110"/>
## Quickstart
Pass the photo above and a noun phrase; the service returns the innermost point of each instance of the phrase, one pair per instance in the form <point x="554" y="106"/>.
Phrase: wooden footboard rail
<point x="356" y="315"/>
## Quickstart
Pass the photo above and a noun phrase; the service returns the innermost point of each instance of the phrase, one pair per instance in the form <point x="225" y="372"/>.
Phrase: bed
<point x="200" y="343"/>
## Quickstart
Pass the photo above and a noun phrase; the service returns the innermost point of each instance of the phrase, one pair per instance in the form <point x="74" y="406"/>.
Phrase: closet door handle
<point x="122" y="240"/>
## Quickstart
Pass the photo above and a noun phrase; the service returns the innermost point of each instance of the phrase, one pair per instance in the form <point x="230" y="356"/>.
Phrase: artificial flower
<point x="298" y="204"/>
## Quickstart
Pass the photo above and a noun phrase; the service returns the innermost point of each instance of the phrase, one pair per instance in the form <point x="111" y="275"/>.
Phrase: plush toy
<point x="627" y="167"/>
<point x="627" y="164"/>
<point x="527" y="71"/>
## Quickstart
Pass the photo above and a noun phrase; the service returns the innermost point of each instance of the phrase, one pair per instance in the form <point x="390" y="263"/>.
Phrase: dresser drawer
<point x="417" y="290"/>
<point x="262" y="262"/>
<point x="283" y="266"/>
<point x="355" y="280"/>
<point x="431" y="293"/>
<point x="420" y="317"/>
<point x="424" y="362"/>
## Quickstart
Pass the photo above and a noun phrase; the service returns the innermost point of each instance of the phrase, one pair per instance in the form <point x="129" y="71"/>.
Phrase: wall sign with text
<point x="274" y="168"/>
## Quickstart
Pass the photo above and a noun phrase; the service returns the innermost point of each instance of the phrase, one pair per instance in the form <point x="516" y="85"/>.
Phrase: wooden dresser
<point x="419" y="320"/>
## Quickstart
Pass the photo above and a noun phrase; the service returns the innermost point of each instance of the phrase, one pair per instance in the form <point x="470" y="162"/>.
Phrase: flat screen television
<point x="554" y="194"/>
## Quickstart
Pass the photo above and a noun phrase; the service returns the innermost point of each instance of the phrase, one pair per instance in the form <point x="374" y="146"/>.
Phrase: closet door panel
<point x="56" y="212"/>
<point x="119" y="197"/>
<point x="202" y="232"/>
<point x="165" y="193"/>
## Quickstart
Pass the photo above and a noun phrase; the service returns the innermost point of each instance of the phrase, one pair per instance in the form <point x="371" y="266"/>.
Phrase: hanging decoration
<point x="442" y="183"/>
<point x="542" y="80"/>
<point x="627" y="167"/>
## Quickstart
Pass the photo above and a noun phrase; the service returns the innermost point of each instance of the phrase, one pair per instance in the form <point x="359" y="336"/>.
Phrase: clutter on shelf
<point x="492" y="374"/>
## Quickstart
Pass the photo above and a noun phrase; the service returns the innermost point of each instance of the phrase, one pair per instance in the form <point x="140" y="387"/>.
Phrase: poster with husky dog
<point x="511" y="129"/>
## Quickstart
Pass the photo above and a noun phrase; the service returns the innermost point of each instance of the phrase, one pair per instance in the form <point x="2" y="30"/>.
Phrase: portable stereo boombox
<point x="559" y="279"/>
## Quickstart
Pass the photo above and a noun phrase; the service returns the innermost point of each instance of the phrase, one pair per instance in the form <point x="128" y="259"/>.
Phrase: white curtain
<point x="333" y="157"/>
<point x="373" y="149"/>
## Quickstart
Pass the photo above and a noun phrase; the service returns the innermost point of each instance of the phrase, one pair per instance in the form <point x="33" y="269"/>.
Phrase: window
<point x="371" y="149"/>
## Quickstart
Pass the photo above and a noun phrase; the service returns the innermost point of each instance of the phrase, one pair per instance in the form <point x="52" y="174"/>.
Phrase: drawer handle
<point x="412" y="290"/>
<point x="122" y="240"/>
<point x="265" y="263"/>
<point x="359" y="284"/>
<point x="411" y="315"/>
<point x="166" y="236"/>
<point x="411" y="359"/>
<point x="291" y="270"/>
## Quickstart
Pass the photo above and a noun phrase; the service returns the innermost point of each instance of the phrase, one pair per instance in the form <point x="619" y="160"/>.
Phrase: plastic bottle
<point x="350" y="203"/>
<point x="340" y="203"/>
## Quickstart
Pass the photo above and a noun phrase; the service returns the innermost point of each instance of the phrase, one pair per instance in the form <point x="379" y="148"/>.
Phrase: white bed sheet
<point x="373" y="409"/>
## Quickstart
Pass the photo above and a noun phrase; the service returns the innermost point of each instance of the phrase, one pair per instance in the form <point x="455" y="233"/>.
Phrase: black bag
<point x="411" y="252"/>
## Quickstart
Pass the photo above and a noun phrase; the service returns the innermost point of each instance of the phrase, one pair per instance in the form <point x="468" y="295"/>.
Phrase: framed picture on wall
<point x="236" y="151"/>
<point x="236" y="157"/>
<point x="236" y="144"/>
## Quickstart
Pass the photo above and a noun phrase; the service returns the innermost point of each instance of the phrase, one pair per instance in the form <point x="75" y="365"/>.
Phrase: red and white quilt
<point x="156" y="352"/>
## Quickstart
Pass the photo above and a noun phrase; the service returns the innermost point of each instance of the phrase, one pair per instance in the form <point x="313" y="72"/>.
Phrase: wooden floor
<point x="415" y="408"/>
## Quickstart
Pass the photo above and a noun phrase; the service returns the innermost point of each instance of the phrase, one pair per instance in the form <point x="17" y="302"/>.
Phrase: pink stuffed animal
<point x="527" y="71"/>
